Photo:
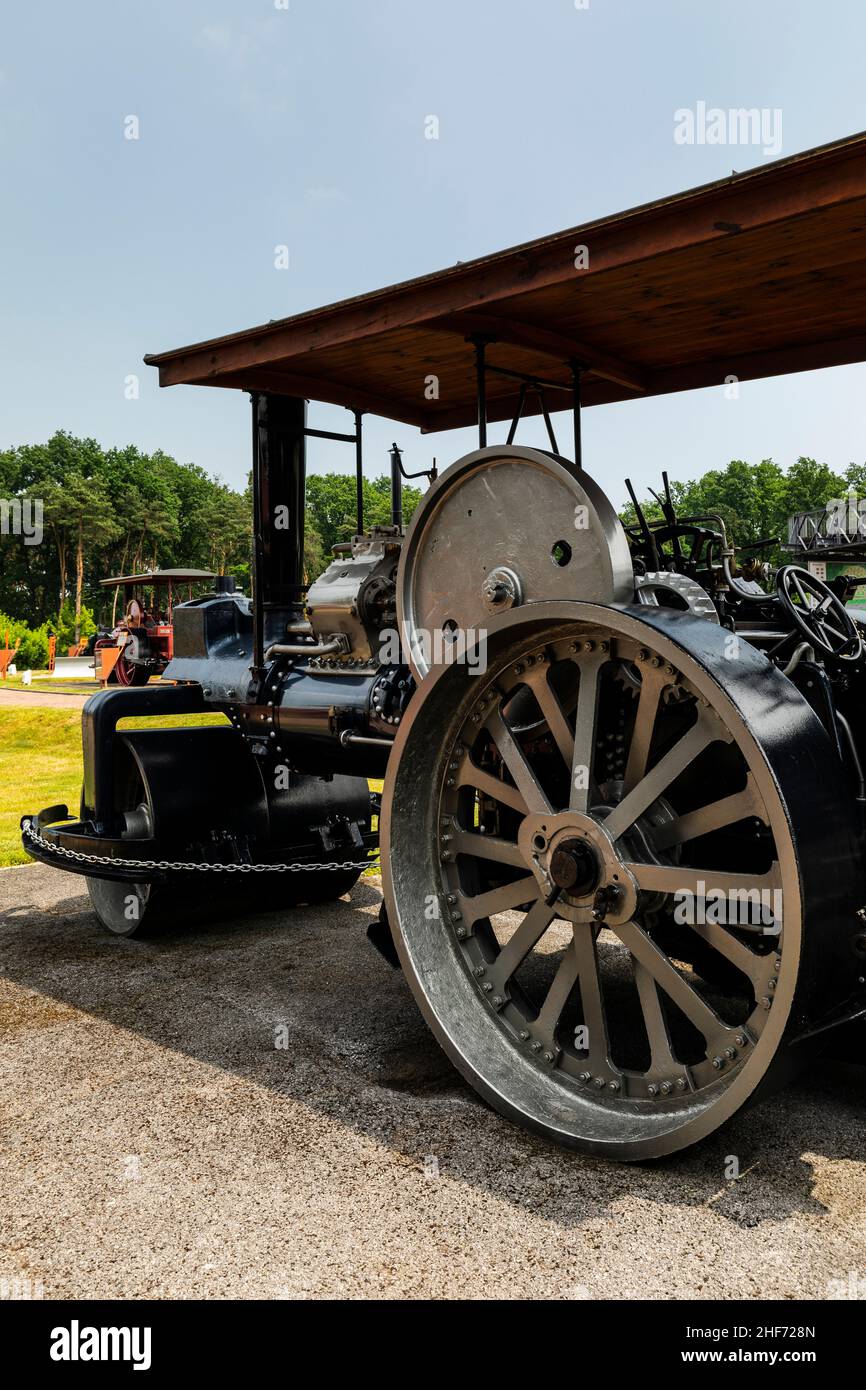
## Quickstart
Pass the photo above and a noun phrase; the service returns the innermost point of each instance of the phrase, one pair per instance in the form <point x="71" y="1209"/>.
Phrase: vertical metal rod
<point x="258" y="606"/>
<point x="396" y="489"/>
<point x="545" y="412"/>
<point x="481" y="387"/>
<point x="521" y="401"/>
<point x="577" y="378"/>
<point x="359" y="473"/>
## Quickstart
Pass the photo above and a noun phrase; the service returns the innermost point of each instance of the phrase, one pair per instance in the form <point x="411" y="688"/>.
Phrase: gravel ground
<point x="156" y="1143"/>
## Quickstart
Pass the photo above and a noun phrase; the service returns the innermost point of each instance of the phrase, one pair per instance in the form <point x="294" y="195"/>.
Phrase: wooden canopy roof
<point x="756" y="275"/>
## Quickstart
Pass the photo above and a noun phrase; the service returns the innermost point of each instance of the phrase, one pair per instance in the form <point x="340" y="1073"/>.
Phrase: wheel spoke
<point x="490" y="786"/>
<point x="521" y="942"/>
<point x="487" y="847"/>
<point x="557" y="996"/>
<point x="651" y="787"/>
<point x="584" y="733"/>
<point x="726" y="811"/>
<point x="671" y="878"/>
<point x="662" y="1059"/>
<point x="553" y="713"/>
<point x="687" y="1000"/>
<point x="516" y="762"/>
<point x="508" y="895"/>
<point x="744" y="960"/>
<point x="806" y="602"/>
<point x="638" y="754"/>
<point x="591" y="1000"/>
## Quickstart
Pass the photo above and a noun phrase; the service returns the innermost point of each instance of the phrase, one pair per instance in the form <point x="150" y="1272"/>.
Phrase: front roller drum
<point x="186" y="790"/>
<point x="626" y="900"/>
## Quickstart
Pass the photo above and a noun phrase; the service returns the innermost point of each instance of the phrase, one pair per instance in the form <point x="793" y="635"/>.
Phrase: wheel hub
<point x="573" y="853"/>
<point x="574" y="866"/>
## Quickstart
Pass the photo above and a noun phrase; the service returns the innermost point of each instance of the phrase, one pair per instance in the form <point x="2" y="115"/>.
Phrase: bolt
<point x="598" y="1083"/>
<point x="718" y="1063"/>
<point x="665" y="1088"/>
<point x="730" y="1053"/>
<point x="681" y="1085"/>
<point x="740" y="1040"/>
<point x="487" y="987"/>
<point x="480" y="970"/>
<point x="586" y="1076"/>
<point x="524" y="1036"/>
<point x="642" y="654"/>
<point x="536" y="1046"/>
<point x="613" y="1085"/>
<point x="604" y="646"/>
<point x="548" y="1056"/>
<point x="771" y="984"/>
<point x="777" y="963"/>
<point x="652" y="1090"/>
<point x="589" y="646"/>
<point x="766" y="1001"/>
<point x="461" y="932"/>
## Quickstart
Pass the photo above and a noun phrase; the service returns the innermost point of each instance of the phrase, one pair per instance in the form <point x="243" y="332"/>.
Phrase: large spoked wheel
<point x="603" y="869"/>
<point x="129" y="672"/>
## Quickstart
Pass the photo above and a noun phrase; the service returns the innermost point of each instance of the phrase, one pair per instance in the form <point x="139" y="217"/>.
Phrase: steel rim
<point x="705" y="1047"/>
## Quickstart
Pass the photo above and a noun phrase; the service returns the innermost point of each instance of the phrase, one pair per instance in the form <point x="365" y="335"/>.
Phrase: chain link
<point x="179" y="866"/>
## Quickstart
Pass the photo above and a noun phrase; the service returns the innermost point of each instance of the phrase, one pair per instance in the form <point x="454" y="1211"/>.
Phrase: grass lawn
<point x="40" y="765"/>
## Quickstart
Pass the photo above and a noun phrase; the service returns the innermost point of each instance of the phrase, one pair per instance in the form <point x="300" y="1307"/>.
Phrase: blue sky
<point x="262" y="126"/>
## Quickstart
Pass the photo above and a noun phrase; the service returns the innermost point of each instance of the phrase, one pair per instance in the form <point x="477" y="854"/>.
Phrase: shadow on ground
<point x="357" y="1050"/>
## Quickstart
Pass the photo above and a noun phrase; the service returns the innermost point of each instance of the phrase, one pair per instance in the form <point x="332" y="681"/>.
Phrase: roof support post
<point x="480" y="343"/>
<point x="577" y="380"/>
<point x="359" y="474"/>
<point x="279" y="480"/>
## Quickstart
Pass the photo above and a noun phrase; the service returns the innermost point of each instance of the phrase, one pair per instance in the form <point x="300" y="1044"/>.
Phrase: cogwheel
<point x="628" y="676"/>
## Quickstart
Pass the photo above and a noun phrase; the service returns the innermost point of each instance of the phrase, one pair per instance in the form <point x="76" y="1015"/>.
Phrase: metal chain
<point x="181" y="867"/>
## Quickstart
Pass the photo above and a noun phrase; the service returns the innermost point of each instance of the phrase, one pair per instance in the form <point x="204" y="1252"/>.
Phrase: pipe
<point x="733" y="584"/>
<point x="335" y="644"/>
<point x="347" y="737"/>
<point x="804" y="650"/>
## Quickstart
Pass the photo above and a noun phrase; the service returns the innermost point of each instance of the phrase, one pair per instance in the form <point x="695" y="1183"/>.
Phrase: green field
<point x="40" y="764"/>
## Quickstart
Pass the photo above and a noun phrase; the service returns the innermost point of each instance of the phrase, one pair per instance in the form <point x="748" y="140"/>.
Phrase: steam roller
<point x="622" y="827"/>
<point x="622" y="823"/>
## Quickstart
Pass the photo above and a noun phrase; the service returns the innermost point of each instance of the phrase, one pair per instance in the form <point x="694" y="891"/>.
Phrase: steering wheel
<point x="818" y="613"/>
